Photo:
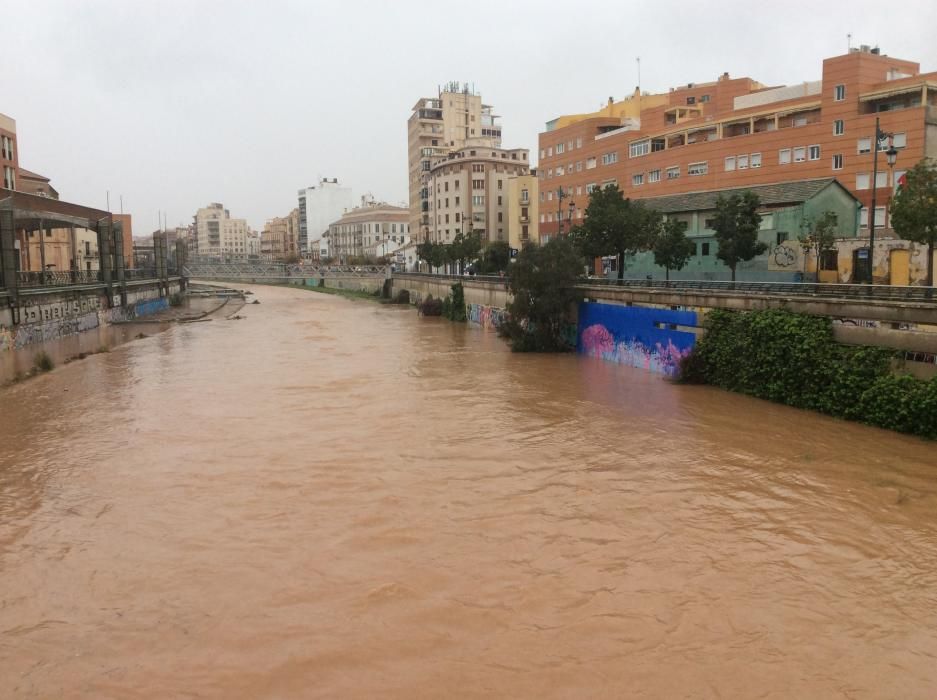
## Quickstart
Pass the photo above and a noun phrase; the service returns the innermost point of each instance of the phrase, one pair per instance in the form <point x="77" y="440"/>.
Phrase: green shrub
<point x="793" y="359"/>
<point x="430" y="306"/>
<point x="42" y="362"/>
<point x="455" y="309"/>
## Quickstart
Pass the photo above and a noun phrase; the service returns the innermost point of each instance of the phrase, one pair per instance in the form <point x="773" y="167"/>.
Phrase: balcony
<point x="435" y="114"/>
<point x="525" y="219"/>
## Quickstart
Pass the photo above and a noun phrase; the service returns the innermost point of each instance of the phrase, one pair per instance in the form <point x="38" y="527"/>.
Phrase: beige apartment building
<point x="377" y="229"/>
<point x="469" y="192"/>
<point x="523" y="210"/>
<point x="280" y="238"/>
<point x="218" y="234"/>
<point x="439" y="125"/>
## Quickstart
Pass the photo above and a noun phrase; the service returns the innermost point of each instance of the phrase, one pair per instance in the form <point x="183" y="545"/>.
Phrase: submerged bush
<point x="42" y="362"/>
<point x="430" y="306"/>
<point x="793" y="359"/>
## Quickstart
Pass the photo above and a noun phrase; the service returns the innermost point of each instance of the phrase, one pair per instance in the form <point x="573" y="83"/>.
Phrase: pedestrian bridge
<point x="282" y="273"/>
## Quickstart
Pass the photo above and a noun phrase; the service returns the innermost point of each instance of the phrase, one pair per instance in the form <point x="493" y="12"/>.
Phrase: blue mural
<point x="150" y="306"/>
<point x="636" y="335"/>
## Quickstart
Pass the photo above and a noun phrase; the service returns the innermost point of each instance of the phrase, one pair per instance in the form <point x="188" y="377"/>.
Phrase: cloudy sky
<point x="174" y="104"/>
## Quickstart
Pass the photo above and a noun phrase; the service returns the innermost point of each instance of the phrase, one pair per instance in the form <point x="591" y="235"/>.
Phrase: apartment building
<point x="523" y="210"/>
<point x="9" y="153"/>
<point x="280" y="238"/>
<point x="468" y="191"/>
<point x="218" y="234"/>
<point x="374" y="228"/>
<point x="438" y="126"/>
<point x="736" y="132"/>
<point x="319" y="206"/>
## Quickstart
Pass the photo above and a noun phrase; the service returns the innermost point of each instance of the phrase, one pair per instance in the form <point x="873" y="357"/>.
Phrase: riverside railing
<point x="799" y="289"/>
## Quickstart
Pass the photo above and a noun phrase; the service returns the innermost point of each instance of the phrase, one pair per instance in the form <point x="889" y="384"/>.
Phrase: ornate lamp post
<point x="891" y="156"/>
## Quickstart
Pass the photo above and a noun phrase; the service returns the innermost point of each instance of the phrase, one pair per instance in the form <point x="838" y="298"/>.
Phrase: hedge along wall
<point x="792" y="359"/>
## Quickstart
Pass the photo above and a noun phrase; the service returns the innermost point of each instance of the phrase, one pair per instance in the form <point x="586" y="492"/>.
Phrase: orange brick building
<point x="736" y="132"/>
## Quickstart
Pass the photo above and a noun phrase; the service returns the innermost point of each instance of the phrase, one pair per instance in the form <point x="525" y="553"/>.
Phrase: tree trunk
<point x="621" y="266"/>
<point x="667" y="274"/>
<point x="733" y="272"/>
<point x="930" y="264"/>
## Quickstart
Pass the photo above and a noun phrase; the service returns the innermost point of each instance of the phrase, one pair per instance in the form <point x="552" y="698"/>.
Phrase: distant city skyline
<point x="280" y="100"/>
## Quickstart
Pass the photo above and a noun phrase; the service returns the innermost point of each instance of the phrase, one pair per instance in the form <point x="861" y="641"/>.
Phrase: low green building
<point x="787" y="208"/>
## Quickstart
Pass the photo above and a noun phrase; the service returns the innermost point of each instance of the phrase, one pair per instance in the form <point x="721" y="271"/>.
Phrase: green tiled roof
<point x="781" y="193"/>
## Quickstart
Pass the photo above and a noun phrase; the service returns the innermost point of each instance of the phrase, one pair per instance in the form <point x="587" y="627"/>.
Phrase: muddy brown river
<point x="337" y="499"/>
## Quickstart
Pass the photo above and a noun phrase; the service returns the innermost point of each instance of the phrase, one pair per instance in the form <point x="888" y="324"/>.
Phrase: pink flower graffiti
<point x="597" y="341"/>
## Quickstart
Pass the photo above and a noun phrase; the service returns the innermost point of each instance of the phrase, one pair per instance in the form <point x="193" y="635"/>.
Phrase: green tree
<point x="616" y="226"/>
<point x="495" y="257"/>
<point x="820" y="236"/>
<point x="914" y="210"/>
<point x="672" y="249"/>
<point x="542" y="281"/>
<point x="435" y="254"/>
<point x="736" y="224"/>
<point x="464" y="248"/>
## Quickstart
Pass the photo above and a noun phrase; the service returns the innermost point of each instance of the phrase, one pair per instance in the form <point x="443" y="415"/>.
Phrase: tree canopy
<point x="736" y="225"/>
<point x="914" y="210"/>
<point x="820" y="236"/>
<point x="672" y="249"/>
<point x="542" y="281"/>
<point x="616" y="226"/>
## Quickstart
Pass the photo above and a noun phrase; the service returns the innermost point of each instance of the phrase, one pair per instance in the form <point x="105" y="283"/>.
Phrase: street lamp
<point x="891" y="156"/>
<point x="572" y="208"/>
<point x="560" y="196"/>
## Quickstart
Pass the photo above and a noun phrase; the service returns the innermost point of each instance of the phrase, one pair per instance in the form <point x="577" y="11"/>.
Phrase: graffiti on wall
<point x="42" y="323"/>
<point x="636" y="336"/>
<point x="485" y="316"/>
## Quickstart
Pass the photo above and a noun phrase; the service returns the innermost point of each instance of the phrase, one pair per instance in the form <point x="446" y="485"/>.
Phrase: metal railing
<point x="799" y="289"/>
<point x="195" y="270"/>
<point x="29" y="279"/>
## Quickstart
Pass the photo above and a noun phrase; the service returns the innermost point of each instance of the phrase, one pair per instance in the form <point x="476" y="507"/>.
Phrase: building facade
<point x="438" y="126"/>
<point x="469" y="192"/>
<point x="9" y="153"/>
<point x="736" y="132"/>
<point x="523" y="210"/>
<point x="280" y="237"/>
<point x="319" y="206"/>
<point x="218" y="234"/>
<point x="374" y="229"/>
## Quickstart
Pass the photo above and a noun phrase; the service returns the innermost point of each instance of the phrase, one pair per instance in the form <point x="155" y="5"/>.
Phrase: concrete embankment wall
<point x="53" y="314"/>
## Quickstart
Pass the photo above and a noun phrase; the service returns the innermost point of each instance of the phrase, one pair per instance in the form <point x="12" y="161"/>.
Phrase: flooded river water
<point x="338" y="499"/>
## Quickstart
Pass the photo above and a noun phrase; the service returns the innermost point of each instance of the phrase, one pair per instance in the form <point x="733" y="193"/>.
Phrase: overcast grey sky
<point x="174" y="104"/>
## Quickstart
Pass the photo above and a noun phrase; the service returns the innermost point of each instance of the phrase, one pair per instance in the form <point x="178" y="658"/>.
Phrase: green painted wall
<point x="786" y="220"/>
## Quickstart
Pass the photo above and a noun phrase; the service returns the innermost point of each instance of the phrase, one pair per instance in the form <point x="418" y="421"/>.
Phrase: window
<point x="609" y="158"/>
<point x="838" y="161"/>
<point x="578" y="166"/>
<point x="813" y="152"/>
<point x="499" y="200"/>
<point x="550" y="173"/>
<point x="542" y="154"/>
<point x="500" y="217"/>
<point x="457" y="199"/>
<point x="691" y="100"/>
<point x="639" y="148"/>
<point x="590" y="188"/>
<point x="673" y="172"/>
<point x="637" y="179"/>
<point x="839" y="93"/>
<point x="569" y="146"/>
<point x="478" y="168"/>
<point x="560" y="147"/>
<point x="780" y="237"/>
<point x="784" y="156"/>
<point x="653" y="176"/>
<point x="743" y="162"/>
<point x="800" y="154"/>
<point x="697" y="168"/>
<point x="864" y="145"/>
<point x="730" y="163"/>
<point x="879" y="217"/>
<point x="839" y="127"/>
<point x="525" y="195"/>
<point x="579" y="142"/>
<point x="897" y="178"/>
<point x="590" y="163"/>
<point x="478" y="199"/>
<point x="704" y="249"/>
<point x="478" y="184"/>
<point x="900" y="141"/>
<point x="756" y="160"/>
<point x="549" y="151"/>
<point x="881" y="179"/>
<point x="704" y="98"/>
<point x="560" y="171"/>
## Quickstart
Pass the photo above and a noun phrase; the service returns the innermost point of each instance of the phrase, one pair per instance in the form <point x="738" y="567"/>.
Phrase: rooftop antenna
<point x="121" y="204"/>
<point x="849" y="42"/>
<point x="638" y="59"/>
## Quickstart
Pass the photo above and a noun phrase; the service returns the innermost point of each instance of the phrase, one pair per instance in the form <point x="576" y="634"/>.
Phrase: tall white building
<point x="218" y="234"/>
<point x="318" y="207"/>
